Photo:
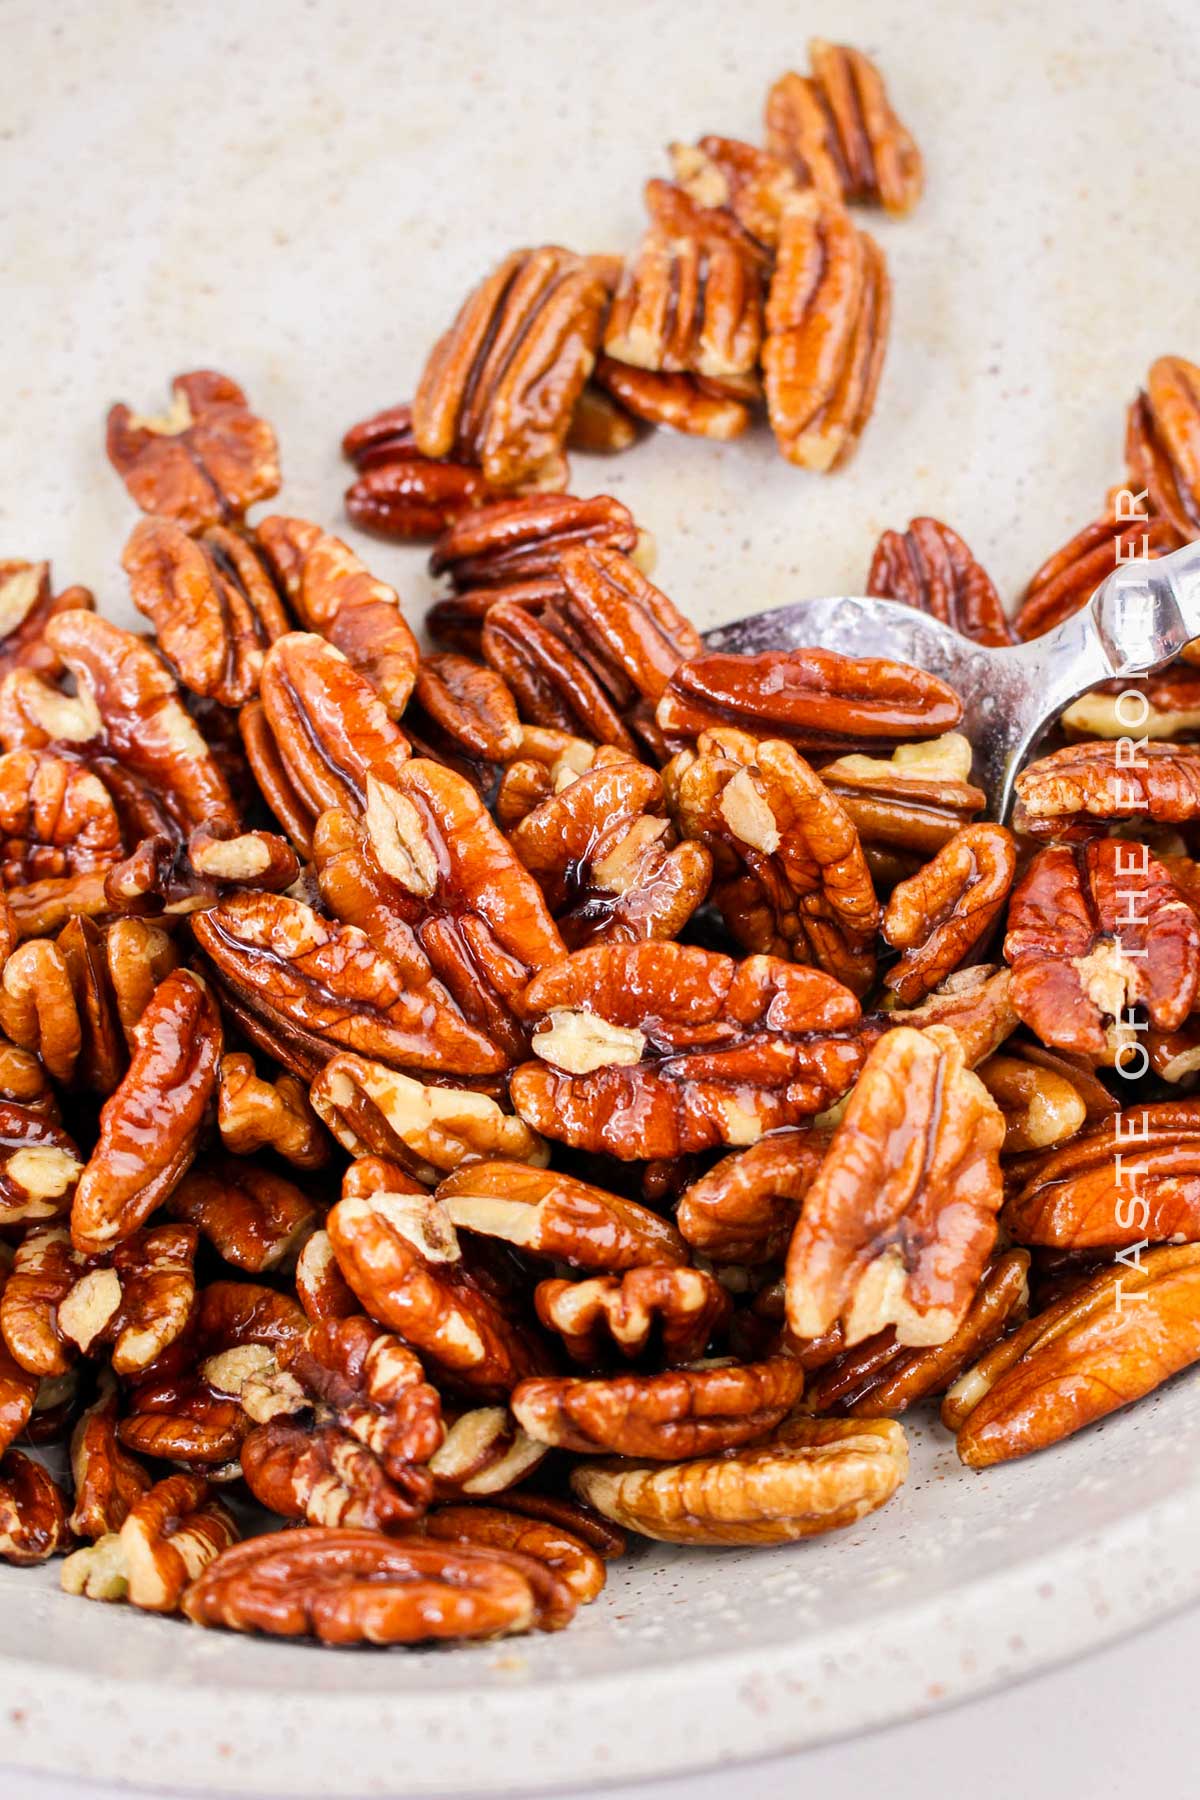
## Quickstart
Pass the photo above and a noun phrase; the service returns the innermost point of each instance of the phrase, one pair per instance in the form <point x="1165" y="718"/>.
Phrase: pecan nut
<point x="1162" y="444"/>
<point x="680" y="1309"/>
<point x="1081" y="788"/>
<point x="1129" y="1178"/>
<point x="203" y="461"/>
<point x="256" y="1220"/>
<point x="943" y="913"/>
<point x="171" y="1533"/>
<point x="257" y="1114"/>
<point x="39" y="1166"/>
<point x="108" y="1481"/>
<point x="470" y="708"/>
<point x="550" y="1214"/>
<point x="498" y="1528"/>
<point x="484" y="1452"/>
<point x="744" y="1208"/>
<point x="836" y="129"/>
<point x="33" y="1511"/>
<point x="929" y="567"/>
<point x="27" y="601"/>
<point x="1066" y="581"/>
<point x="56" y="819"/>
<point x="1043" y="1105"/>
<point x="375" y="1387"/>
<point x="693" y="404"/>
<point x="522" y="540"/>
<point x="324" y="1476"/>
<point x="686" y="304"/>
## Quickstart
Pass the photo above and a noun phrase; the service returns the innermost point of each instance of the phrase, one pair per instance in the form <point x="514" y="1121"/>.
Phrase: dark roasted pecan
<point x="171" y="1533"/>
<point x="693" y="404"/>
<point x="1086" y="786"/>
<point x="1162" y="444"/>
<point x="942" y="915"/>
<point x="931" y="568"/>
<point x="1093" y="931"/>
<point x="33" y="1511"/>
<point x="680" y="1309"/>
<point x="554" y="1215"/>
<point x="256" y="1114"/>
<point x="203" y="461"/>
<point x="108" y="1481"/>
<point x="256" y="1220"/>
<point x="686" y="305"/>
<point x="1128" y="1179"/>
<point x="26" y="602"/>
<point x="650" y="1050"/>
<point x="744" y="1208"/>
<point x="837" y="131"/>
<point x="414" y="496"/>
<point x="376" y="1389"/>
<point x="898" y="1224"/>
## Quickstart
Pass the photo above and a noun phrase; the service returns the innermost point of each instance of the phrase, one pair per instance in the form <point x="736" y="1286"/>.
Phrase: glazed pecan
<point x="1129" y="1178"/>
<point x="1167" y="706"/>
<point x="599" y="427"/>
<point x="150" y="1127"/>
<point x="56" y="819"/>
<point x="1067" y="580"/>
<point x="521" y="540"/>
<point x="679" y="1309"/>
<point x="836" y="129"/>
<point x="256" y="1220"/>
<point x="650" y="1050"/>
<point x="686" y="304"/>
<point x="609" y="866"/>
<point x="401" y="1255"/>
<point x="470" y="709"/>
<point x="974" y="1004"/>
<point x="498" y="1528"/>
<point x="743" y="1209"/>
<point x="322" y="1475"/>
<point x="878" y="1376"/>
<point x="500" y="386"/>
<point x="827" y="320"/>
<point x="1162" y="443"/>
<point x="39" y="1166"/>
<point x="790" y="876"/>
<point x="906" y="806"/>
<point x="214" y="608"/>
<point x="554" y="1215"/>
<point x="693" y="404"/>
<point x="203" y="461"/>
<point x="353" y="1587"/>
<point x="940" y="916"/>
<point x="898" y="1224"/>
<point x="171" y="1533"/>
<point x="427" y="1129"/>
<point x="406" y="495"/>
<point x="108" y="1481"/>
<point x="554" y="686"/>
<point x="930" y="568"/>
<point x="335" y="594"/>
<point x="181" y="1419"/>
<point x="1093" y="931"/>
<point x="484" y="1452"/>
<point x="33" y="1511"/>
<point x="321" y="1288"/>
<point x="813" y="699"/>
<point x="375" y="1388"/>
<point x="1085" y="786"/>
<point x="697" y="1411"/>
<point x="18" y="1387"/>
<point x="26" y="602"/>
<point x="1119" y="1335"/>
<point x="1042" y="1106"/>
<point x="257" y="1114"/>
<point x="727" y="194"/>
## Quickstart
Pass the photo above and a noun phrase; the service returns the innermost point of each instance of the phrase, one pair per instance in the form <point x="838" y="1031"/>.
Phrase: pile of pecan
<point x="473" y="1105"/>
<point x="752" y="290"/>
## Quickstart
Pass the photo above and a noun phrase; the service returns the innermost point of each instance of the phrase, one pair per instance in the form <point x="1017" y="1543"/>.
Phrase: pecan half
<point x="974" y="1004"/>
<point x="680" y="1309"/>
<point x="836" y="129"/>
<point x="376" y="1389"/>
<point x="323" y="1476"/>
<point x="56" y="819"/>
<point x="172" y="1533"/>
<point x="108" y="1481"/>
<point x="827" y="320"/>
<point x="257" y="1114"/>
<point x="744" y="1208"/>
<point x="651" y="1050"/>
<point x="898" y="1224"/>
<point x="33" y="1512"/>
<point x="943" y="913"/>
<point x="1084" y="786"/>
<point x="553" y="685"/>
<point x="929" y="567"/>
<point x="522" y="540"/>
<point x="203" y="461"/>
<point x="689" y="403"/>
<point x="1094" y="930"/>
<point x="410" y="496"/>
<point x="470" y="708"/>
<point x="1066" y="581"/>
<point x="813" y="1475"/>
<point x="909" y="804"/>
<point x="1168" y="706"/>
<point x="681" y="1412"/>
<point x="727" y="193"/>
<point x="498" y="1528"/>
<point x="1162" y="443"/>
<point x="27" y="600"/>
<point x="554" y="1215"/>
<point x="256" y="1220"/>
<point x="686" y="304"/>
<point x="1132" y="1177"/>
<point x="1122" y="1333"/>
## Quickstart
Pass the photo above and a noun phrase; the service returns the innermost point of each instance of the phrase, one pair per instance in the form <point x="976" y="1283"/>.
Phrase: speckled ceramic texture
<point x="301" y="195"/>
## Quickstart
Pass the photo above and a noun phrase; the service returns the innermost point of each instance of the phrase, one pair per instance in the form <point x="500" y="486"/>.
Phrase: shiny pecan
<point x="554" y="1215"/>
<point x="466" y="708"/>
<point x="375" y="1388"/>
<point x="427" y="1129"/>
<point x="680" y="1310"/>
<point x="898" y="1224"/>
<point x="254" y="1113"/>
<point x="1162" y="443"/>
<point x="171" y="1533"/>
<point x="56" y="819"/>
<point x="1085" y="786"/>
<point x="693" y="404"/>
<point x="499" y="1528"/>
<point x="974" y="1004"/>
<point x="650" y="1050"/>
<point x="827" y="320"/>
<point x="879" y="1376"/>
<point x="522" y="540"/>
<point x="256" y="1220"/>
<point x="599" y="427"/>
<point x="1119" y="1335"/>
<point x="686" y="304"/>
<point x="624" y="627"/>
<point x="1093" y="931"/>
<point x="484" y="1452"/>
<point x="181" y="1419"/>
<point x="743" y="1209"/>
<point x="941" y="915"/>
<point x="33" y="1511"/>
<point x="406" y="495"/>
<point x="353" y="1587"/>
<point x="813" y="699"/>
<point x="321" y="1288"/>
<point x="1042" y="1106"/>
<point x="812" y="1476"/>
<point x="214" y="608"/>
<point x="553" y="685"/>
<point x="18" y="1387"/>
<point x="39" y="1166"/>
<point x="27" y="600"/>
<point x="790" y="875"/>
<point x="324" y="1476"/>
<point x="150" y="1127"/>
<point x="609" y="865"/>
<point x="1129" y="1178"/>
<point x="906" y="806"/>
<point x="500" y="386"/>
<point x="401" y="1255"/>
<point x="930" y="568"/>
<point x="1066" y="581"/>
<point x="727" y="194"/>
<point x="203" y="461"/>
<point x="697" y="1411"/>
<point x="549" y="761"/>
<point x="334" y="593"/>
<point x="108" y="1481"/>
<point x="836" y="129"/>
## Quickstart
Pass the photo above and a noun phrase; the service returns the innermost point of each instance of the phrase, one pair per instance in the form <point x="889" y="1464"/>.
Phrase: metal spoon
<point x="1137" y="620"/>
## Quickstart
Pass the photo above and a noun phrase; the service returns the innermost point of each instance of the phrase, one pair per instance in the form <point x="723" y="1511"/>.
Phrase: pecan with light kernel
<point x="898" y="1224"/>
<point x="554" y="1215"/>
<point x="498" y="1528"/>
<point x="599" y="427"/>
<point x="680" y="1309"/>
<point x="929" y="567"/>
<point x="943" y="913"/>
<point x="27" y="600"/>
<point x="1083" y="787"/>
<point x="203" y="461"/>
<point x="171" y="1534"/>
<point x="974" y="1004"/>
<point x="743" y="1209"/>
<point x="257" y="1114"/>
<point x="684" y="304"/>
<point x="1162" y="443"/>
<point x="33" y="1512"/>
<point x="837" y="130"/>
<point x="484" y="1452"/>
<point x="1042" y="1106"/>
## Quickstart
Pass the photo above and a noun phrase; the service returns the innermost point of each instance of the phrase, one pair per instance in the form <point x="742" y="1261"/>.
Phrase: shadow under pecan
<point x="202" y="462"/>
<point x="547" y="1213"/>
<point x="836" y="129"/>
<point x="813" y="1475"/>
<point x="1095" y="930"/>
<point x="108" y="1481"/>
<point x="27" y="601"/>
<point x="676" y="1310"/>
<point x="929" y="567"/>
<point x="744" y="1208"/>
<point x="1162" y="444"/>
<point x="1066" y="581"/>
<point x="827" y="320"/>
<point x="171" y="1534"/>
<point x="901" y="1218"/>
<point x="655" y="1050"/>
<point x="790" y="875"/>
<point x="685" y="304"/>
<point x="1120" y="1335"/>
<point x="33" y="1512"/>
<point x="942" y="915"/>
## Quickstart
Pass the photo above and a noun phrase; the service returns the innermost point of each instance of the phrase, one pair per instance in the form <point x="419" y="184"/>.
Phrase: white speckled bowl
<point x="300" y="196"/>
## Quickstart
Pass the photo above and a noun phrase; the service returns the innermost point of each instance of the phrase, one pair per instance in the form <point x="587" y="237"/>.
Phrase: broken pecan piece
<point x="929" y="567"/>
<point x="256" y="1220"/>
<point x="427" y="1129"/>
<point x="1083" y="787"/>
<point x="943" y="913"/>
<point x="484" y="1452"/>
<point x="108" y="1481"/>
<point x="171" y="1534"/>
<point x="836" y="129"/>
<point x="33" y="1512"/>
<point x="39" y="1166"/>
<point x="257" y="1114"/>
<point x="1132" y="1177"/>
<point x="1162" y="443"/>
<point x="681" y="1309"/>
<point x="1042" y="1105"/>
<point x="550" y="1214"/>
<point x="203" y="461"/>
<point x="27" y="600"/>
<point x="898" y="1224"/>
<point x="744" y="1208"/>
